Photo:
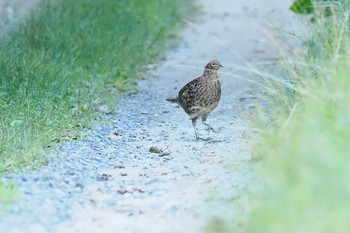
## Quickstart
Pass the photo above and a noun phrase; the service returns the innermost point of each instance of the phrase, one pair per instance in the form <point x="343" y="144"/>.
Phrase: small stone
<point x="155" y="149"/>
<point x="103" y="177"/>
<point x="161" y="152"/>
<point x="79" y="185"/>
<point x="115" y="135"/>
<point x="118" y="165"/>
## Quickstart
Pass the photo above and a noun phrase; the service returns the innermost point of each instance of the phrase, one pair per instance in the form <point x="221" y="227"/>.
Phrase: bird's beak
<point x="221" y="65"/>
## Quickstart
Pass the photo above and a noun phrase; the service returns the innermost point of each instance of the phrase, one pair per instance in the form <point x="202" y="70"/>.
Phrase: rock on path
<point x="111" y="182"/>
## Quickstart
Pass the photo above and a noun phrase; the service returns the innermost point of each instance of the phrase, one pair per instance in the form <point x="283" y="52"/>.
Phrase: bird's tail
<point x="173" y="100"/>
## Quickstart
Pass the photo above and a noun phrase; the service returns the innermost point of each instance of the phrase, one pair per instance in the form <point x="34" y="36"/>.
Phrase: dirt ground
<point x="110" y="182"/>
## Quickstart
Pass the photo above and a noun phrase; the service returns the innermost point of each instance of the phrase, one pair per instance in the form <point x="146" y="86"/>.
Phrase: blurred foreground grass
<point x="305" y="155"/>
<point x="67" y="59"/>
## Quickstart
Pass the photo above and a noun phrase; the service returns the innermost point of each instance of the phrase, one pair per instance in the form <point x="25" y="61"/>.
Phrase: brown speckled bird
<point x="201" y="96"/>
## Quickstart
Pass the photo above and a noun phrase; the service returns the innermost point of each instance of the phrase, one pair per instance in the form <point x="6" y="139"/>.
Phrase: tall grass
<point x="65" y="61"/>
<point x="306" y="154"/>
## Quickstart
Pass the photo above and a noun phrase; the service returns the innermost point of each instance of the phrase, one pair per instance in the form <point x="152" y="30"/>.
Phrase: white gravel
<point x="110" y="182"/>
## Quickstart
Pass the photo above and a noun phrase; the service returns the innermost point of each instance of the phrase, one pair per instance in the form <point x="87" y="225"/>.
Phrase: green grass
<point x="305" y="155"/>
<point x="8" y="193"/>
<point x="69" y="58"/>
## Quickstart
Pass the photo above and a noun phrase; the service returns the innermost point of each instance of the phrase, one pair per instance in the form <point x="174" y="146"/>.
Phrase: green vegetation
<point x="308" y="6"/>
<point x="305" y="155"/>
<point x="67" y="59"/>
<point x="302" y="7"/>
<point x="8" y="193"/>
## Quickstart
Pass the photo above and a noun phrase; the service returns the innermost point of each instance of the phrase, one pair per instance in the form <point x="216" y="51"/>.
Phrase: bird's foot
<point x="212" y="129"/>
<point x="209" y="127"/>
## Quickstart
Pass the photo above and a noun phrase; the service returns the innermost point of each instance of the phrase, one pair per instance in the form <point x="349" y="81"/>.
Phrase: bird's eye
<point x="213" y="64"/>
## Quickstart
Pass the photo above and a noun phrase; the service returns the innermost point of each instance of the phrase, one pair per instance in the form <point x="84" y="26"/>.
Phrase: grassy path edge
<point x="64" y="63"/>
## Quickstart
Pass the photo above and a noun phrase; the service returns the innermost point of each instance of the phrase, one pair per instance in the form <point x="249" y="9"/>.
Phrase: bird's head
<point x="213" y="65"/>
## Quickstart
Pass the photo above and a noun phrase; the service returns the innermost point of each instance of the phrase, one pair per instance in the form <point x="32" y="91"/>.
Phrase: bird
<point x="201" y="96"/>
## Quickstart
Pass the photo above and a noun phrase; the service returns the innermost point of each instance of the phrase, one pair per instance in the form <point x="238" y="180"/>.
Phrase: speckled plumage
<point x="201" y="96"/>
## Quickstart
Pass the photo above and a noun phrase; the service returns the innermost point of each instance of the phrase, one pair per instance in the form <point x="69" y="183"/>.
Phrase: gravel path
<point x="111" y="182"/>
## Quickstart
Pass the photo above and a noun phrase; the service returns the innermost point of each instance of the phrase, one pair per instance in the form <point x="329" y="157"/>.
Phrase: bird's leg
<point x="204" y="118"/>
<point x="194" y="121"/>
